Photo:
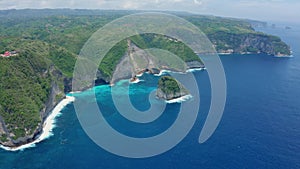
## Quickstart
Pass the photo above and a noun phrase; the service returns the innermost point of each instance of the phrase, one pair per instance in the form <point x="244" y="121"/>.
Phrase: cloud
<point x="101" y="4"/>
<point x="198" y="2"/>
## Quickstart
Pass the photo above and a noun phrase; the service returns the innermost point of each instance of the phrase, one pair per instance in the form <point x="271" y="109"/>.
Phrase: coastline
<point x="195" y="69"/>
<point x="48" y="126"/>
<point x="285" y="56"/>
<point x="180" y="99"/>
<point x="137" y="80"/>
<point x="49" y="123"/>
<point x="163" y="71"/>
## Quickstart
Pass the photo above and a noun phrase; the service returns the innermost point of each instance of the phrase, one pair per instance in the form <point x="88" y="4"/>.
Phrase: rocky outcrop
<point x="3" y="130"/>
<point x="137" y="61"/>
<point x="169" y="88"/>
<point x="230" y="43"/>
<point x="194" y="64"/>
<point x="55" y="96"/>
<point x="153" y="71"/>
<point x="124" y="70"/>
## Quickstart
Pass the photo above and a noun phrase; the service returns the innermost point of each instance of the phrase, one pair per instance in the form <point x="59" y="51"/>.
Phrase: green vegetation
<point x="3" y="138"/>
<point x="48" y="42"/>
<point x="145" y="41"/>
<point x="178" y="48"/>
<point x="169" y="88"/>
<point x="168" y="85"/>
<point x="112" y="58"/>
<point x="62" y="59"/>
<point x="25" y="86"/>
<point x="70" y="29"/>
<point x="212" y="24"/>
<point x="232" y="34"/>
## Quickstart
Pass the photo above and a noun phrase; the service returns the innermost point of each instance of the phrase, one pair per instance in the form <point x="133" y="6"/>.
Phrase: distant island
<point x="48" y="42"/>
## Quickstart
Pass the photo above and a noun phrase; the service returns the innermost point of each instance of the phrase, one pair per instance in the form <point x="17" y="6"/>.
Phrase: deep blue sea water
<point x="260" y="127"/>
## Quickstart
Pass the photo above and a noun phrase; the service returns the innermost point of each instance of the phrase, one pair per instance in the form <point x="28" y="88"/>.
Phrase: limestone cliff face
<point x="169" y="88"/>
<point x="134" y="61"/>
<point x="249" y="43"/>
<point x="137" y="61"/>
<point x="124" y="69"/>
<point x="55" y="96"/>
<point x="194" y="64"/>
<point x="3" y="130"/>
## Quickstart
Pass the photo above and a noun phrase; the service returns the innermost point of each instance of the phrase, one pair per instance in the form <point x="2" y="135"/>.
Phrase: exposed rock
<point x="3" y="130"/>
<point x="195" y="64"/>
<point x="124" y="70"/>
<point x="55" y="96"/>
<point x="154" y="71"/>
<point x="169" y="88"/>
<point x="248" y="43"/>
<point x="137" y="61"/>
<point x="134" y="79"/>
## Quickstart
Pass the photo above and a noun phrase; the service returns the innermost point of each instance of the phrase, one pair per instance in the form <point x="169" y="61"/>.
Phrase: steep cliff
<point x="136" y="61"/>
<point x="9" y="140"/>
<point x="30" y="87"/>
<point x="169" y="88"/>
<point x="249" y="43"/>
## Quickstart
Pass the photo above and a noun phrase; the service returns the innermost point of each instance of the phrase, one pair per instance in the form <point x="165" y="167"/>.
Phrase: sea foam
<point x="287" y="56"/>
<point x="48" y="126"/>
<point x="180" y="99"/>
<point x="137" y="81"/>
<point x="196" y="69"/>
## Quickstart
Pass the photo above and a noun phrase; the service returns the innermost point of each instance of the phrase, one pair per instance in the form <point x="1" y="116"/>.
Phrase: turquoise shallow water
<point x="260" y="127"/>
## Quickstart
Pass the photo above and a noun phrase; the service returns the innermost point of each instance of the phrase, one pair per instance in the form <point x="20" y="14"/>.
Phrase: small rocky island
<point x="169" y="88"/>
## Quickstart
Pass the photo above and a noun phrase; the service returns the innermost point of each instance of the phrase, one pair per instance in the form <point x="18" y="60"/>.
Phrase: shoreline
<point x="190" y="70"/>
<point x="195" y="70"/>
<point x="250" y="53"/>
<point x="137" y="80"/>
<point x="180" y="99"/>
<point x="48" y="126"/>
<point x="285" y="56"/>
<point x="49" y="123"/>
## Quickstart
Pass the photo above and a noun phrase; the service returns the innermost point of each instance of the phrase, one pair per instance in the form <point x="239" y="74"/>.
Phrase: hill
<point x="30" y="87"/>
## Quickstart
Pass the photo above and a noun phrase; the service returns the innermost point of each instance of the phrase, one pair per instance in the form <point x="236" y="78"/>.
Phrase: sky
<point x="265" y="10"/>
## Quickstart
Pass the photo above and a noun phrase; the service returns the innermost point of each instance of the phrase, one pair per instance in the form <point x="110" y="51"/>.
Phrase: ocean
<point x="260" y="127"/>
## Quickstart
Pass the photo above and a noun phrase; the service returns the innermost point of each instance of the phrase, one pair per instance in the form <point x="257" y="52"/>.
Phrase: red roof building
<point x="7" y="54"/>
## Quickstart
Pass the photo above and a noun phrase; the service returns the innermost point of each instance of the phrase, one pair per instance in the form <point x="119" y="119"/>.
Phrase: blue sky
<point x="267" y="10"/>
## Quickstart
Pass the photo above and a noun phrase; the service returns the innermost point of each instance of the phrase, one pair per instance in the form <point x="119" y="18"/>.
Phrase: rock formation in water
<point x="169" y="88"/>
